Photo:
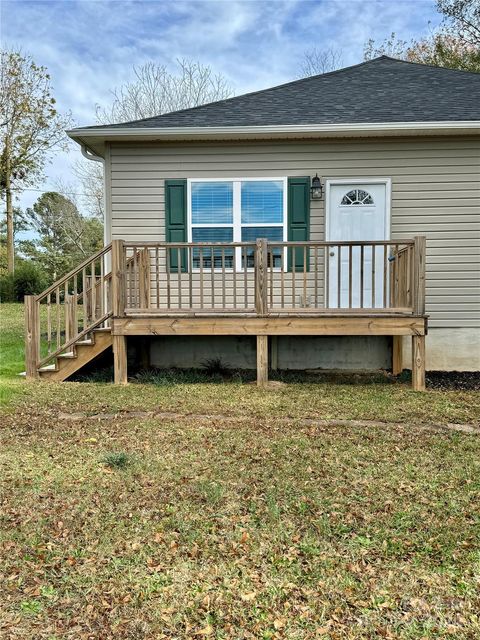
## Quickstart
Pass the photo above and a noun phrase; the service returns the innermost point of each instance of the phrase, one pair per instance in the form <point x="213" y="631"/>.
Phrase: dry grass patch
<point x="147" y="529"/>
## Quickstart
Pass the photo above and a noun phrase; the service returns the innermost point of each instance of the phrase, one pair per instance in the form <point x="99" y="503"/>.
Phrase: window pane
<point x="206" y="255"/>
<point x="262" y="201"/>
<point x="250" y="234"/>
<point x="274" y="234"/>
<point x="212" y="202"/>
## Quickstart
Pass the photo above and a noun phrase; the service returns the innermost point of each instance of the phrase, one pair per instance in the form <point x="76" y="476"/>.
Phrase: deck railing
<point x="265" y="277"/>
<point x="67" y="311"/>
<point x="259" y="278"/>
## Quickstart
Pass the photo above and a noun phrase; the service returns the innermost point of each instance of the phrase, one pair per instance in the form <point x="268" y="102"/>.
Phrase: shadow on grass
<point x="224" y="375"/>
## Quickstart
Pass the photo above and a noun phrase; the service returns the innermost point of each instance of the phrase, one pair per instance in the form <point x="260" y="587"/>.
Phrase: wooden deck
<point x="258" y="289"/>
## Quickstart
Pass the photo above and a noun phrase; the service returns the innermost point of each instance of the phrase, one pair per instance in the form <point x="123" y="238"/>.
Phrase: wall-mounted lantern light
<point x="316" y="190"/>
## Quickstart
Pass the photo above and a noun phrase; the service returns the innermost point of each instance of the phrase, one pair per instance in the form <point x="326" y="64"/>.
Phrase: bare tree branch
<point x="316" y="61"/>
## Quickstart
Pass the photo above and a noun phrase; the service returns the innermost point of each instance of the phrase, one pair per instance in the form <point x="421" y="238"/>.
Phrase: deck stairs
<point x="81" y="353"/>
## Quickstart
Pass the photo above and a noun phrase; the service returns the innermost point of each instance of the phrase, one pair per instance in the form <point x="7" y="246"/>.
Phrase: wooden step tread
<point x="48" y="367"/>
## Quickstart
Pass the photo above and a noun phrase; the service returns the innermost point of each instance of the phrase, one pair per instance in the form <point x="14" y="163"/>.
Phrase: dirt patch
<point x="131" y="415"/>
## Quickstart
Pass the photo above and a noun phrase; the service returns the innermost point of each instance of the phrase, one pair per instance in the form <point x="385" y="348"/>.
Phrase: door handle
<point x="332" y="253"/>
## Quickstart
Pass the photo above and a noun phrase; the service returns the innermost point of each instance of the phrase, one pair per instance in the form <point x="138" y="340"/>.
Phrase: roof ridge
<point x="425" y="64"/>
<point x="253" y="93"/>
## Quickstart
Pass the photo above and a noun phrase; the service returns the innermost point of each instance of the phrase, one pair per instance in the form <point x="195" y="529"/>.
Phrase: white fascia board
<point x="311" y="129"/>
<point x="95" y="139"/>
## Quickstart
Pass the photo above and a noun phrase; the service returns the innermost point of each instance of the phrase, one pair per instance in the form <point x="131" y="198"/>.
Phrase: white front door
<point x="356" y="211"/>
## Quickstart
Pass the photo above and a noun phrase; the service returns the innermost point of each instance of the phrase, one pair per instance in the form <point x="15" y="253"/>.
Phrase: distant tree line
<point x="63" y="238"/>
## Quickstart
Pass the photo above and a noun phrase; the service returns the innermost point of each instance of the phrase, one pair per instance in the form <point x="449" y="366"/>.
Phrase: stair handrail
<point x="64" y="329"/>
<point x="101" y="252"/>
<point x="75" y="339"/>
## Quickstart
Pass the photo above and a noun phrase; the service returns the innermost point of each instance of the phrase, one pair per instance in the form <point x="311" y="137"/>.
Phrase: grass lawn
<point x="251" y="522"/>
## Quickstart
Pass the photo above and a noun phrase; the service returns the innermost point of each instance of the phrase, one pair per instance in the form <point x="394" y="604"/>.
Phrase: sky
<point x="90" y="46"/>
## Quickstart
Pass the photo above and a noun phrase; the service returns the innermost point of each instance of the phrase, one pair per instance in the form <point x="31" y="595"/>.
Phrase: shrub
<point x="216" y="367"/>
<point x="28" y="280"/>
<point x="7" y="288"/>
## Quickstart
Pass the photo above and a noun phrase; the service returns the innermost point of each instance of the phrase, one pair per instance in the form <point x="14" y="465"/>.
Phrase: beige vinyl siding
<point x="435" y="192"/>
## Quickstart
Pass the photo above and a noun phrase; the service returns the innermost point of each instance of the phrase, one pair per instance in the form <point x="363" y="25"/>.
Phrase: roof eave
<point x="95" y="138"/>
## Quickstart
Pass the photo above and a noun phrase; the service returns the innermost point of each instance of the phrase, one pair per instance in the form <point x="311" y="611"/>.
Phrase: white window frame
<point x="237" y="211"/>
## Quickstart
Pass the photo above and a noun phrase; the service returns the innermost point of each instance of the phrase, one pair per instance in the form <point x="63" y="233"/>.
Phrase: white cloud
<point x="90" y="46"/>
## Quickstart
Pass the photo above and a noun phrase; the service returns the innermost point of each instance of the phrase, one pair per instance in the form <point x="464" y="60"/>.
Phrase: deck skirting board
<point x="277" y="326"/>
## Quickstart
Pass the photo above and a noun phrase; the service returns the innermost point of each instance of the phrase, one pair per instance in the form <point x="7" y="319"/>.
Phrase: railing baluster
<point x="75" y="302"/>
<point x="294" y="276"/>
<point x="339" y="275"/>
<point x="102" y="287"/>
<point x="327" y="277"/>
<point x="212" y="275"/>
<point x="179" y="277"/>
<point x="57" y="298"/>
<point x="49" y="323"/>
<point x="93" y="297"/>
<point x="397" y="275"/>
<point x="157" y="278"/>
<point x="408" y="279"/>
<point x="270" y="257"/>
<point x="305" y="276"/>
<point x="362" y="284"/>
<point x="168" y="257"/>
<point x="385" y="268"/>
<point x="245" y="278"/>
<point x="282" y="279"/>
<point x="234" y="274"/>
<point x="190" y="275"/>
<point x="374" y="259"/>
<point x="350" y="277"/>
<point x="66" y="312"/>
<point x="84" y="297"/>
<point x="200" y="255"/>
<point x="223" y="277"/>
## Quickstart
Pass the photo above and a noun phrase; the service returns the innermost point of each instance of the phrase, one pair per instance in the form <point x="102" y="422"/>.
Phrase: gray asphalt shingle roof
<point x="380" y="90"/>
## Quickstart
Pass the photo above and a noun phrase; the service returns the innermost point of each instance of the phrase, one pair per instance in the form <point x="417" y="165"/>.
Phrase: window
<point x="236" y="211"/>
<point x="357" y="196"/>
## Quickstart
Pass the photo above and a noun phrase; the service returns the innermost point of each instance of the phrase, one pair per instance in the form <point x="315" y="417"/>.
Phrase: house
<point x="330" y="222"/>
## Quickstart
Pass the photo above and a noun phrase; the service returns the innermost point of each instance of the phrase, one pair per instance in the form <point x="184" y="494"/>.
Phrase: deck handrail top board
<point x="275" y="243"/>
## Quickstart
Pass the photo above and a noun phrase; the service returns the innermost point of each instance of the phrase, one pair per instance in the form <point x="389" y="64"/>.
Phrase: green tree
<point x="65" y="237"/>
<point x="31" y="128"/>
<point x="455" y="44"/>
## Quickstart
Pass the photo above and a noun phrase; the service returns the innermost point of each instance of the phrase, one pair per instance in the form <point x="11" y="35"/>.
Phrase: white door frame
<point x="329" y="182"/>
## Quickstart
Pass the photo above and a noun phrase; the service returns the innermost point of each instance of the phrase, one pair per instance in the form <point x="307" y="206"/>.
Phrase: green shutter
<point x="176" y="220"/>
<point x="298" y="218"/>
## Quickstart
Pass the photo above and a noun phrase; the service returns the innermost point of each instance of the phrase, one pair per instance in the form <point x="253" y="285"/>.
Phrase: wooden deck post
<point x="418" y="342"/>
<point x="118" y="279"/>
<point x="418" y="363"/>
<point x="118" y="311"/>
<point x="397" y="355"/>
<point x="32" y="337"/>
<point x="419" y="275"/>
<point x="120" y="359"/>
<point x="262" y="360"/>
<point x="261" y="281"/>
